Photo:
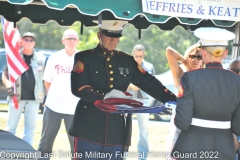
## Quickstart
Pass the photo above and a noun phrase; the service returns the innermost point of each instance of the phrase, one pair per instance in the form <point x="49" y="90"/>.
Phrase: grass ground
<point x="3" y="107"/>
<point x="157" y="137"/>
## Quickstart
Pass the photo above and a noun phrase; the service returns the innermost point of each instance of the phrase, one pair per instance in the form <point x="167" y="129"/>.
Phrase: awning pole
<point x="139" y="29"/>
<point x="139" y="34"/>
<point x="235" y="48"/>
<point x="81" y="29"/>
<point x="100" y="20"/>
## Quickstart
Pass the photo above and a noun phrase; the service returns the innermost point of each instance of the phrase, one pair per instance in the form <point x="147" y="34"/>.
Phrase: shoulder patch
<point x="141" y="69"/>
<point x="180" y="91"/>
<point x="78" y="67"/>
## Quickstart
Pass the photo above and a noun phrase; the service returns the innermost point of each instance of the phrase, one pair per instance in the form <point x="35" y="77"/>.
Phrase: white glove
<point x="116" y="94"/>
<point x="171" y="105"/>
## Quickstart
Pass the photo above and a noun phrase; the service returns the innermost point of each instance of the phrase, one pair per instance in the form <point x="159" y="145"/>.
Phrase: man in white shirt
<point x="60" y="103"/>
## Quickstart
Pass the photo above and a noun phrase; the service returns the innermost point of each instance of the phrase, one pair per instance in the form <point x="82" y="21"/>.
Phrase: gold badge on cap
<point x="180" y="91"/>
<point x="141" y="69"/>
<point x="115" y="23"/>
<point x="78" y="67"/>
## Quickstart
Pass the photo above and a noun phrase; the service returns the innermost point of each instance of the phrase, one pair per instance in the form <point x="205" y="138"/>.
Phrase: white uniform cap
<point x="210" y="36"/>
<point x="69" y="33"/>
<point x="111" y="28"/>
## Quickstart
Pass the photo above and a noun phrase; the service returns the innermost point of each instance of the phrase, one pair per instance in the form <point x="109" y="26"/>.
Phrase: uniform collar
<point x="214" y="65"/>
<point x="104" y="52"/>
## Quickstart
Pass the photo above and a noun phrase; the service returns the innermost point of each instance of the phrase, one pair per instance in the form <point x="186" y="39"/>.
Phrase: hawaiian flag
<point x="16" y="65"/>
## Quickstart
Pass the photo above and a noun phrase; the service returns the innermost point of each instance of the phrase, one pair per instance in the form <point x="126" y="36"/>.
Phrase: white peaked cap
<point x="210" y="36"/>
<point x="112" y="28"/>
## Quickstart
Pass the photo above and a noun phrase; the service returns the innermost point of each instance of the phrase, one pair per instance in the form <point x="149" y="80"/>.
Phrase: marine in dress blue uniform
<point x="208" y="105"/>
<point x="97" y="72"/>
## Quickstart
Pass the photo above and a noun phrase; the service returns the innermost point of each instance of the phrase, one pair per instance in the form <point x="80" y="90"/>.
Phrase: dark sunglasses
<point x="235" y="70"/>
<point x="194" y="57"/>
<point x="28" y="40"/>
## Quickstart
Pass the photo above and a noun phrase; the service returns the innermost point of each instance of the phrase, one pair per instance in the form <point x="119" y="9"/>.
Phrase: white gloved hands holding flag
<point x="171" y="107"/>
<point x="118" y="94"/>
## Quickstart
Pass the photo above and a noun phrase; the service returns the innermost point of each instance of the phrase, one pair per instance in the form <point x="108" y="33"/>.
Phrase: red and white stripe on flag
<point x="16" y="65"/>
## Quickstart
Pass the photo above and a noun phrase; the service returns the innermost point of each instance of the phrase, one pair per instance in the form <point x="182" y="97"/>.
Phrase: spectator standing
<point x="29" y="89"/>
<point x="143" y="118"/>
<point x="60" y="102"/>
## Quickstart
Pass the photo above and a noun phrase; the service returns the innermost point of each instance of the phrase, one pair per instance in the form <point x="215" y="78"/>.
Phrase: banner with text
<point x="203" y="9"/>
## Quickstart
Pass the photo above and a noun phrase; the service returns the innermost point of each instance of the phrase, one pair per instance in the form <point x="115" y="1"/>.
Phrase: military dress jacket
<point x="211" y="94"/>
<point x="97" y="72"/>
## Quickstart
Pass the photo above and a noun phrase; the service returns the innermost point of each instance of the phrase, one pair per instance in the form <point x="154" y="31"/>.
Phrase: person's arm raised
<point x="173" y="58"/>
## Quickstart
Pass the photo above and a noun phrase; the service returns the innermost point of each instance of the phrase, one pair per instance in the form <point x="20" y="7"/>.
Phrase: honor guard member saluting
<point x="97" y="72"/>
<point x="208" y="105"/>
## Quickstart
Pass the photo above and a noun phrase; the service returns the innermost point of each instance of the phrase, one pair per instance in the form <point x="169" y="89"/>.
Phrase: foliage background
<point x="48" y="36"/>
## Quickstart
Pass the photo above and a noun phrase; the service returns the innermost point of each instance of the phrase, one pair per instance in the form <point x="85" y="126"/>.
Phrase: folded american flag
<point x="121" y="105"/>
